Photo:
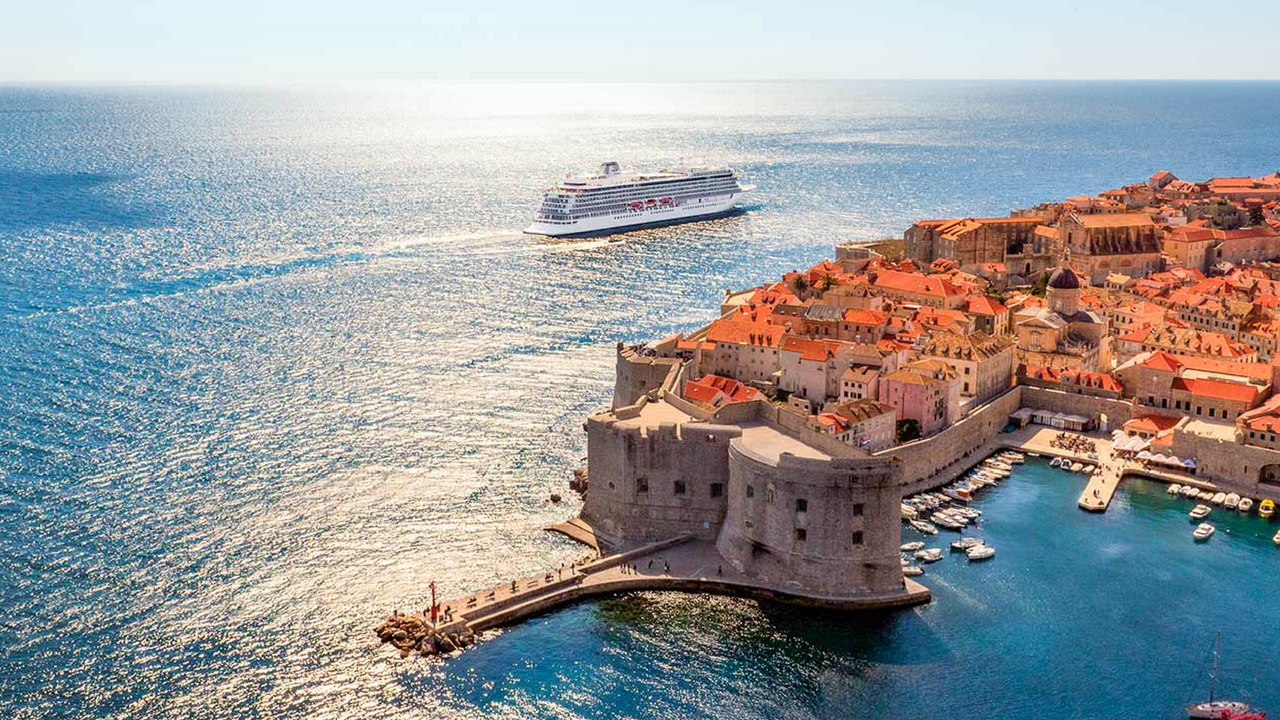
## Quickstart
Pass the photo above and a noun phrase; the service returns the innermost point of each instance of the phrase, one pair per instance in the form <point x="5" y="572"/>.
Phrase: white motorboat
<point x="1232" y="502"/>
<point x="908" y="512"/>
<point x="924" y="527"/>
<point x="1199" y="512"/>
<point x="1174" y="489"/>
<point x="1189" y="491"/>
<point x="1207" y="496"/>
<point x="964" y="544"/>
<point x="998" y="465"/>
<point x="1076" y="467"/>
<point x="980" y="552"/>
<point x="912" y="546"/>
<point x="912" y="570"/>
<point x="1203" y="531"/>
<point x="1276" y="538"/>
<point x="929" y="555"/>
<point x="1218" y="498"/>
<point x="1087" y="470"/>
<point x="1246" y="504"/>
<point x="945" y="521"/>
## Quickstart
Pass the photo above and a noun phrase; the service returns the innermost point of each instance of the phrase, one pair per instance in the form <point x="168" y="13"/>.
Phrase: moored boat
<point x="1232" y="502"/>
<point x="1276" y="538"/>
<point x="1267" y="507"/>
<point x="929" y="555"/>
<point x="964" y="544"/>
<point x="912" y="570"/>
<point x="1203" y="531"/>
<point x="1199" y="512"/>
<point x="1174" y="489"/>
<point x="1219" y="498"/>
<point x="980" y="552"/>
<point x="1246" y="504"/>
<point x="924" y="527"/>
<point x="912" y="546"/>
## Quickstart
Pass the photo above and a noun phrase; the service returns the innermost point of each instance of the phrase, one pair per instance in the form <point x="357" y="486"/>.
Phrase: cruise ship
<point x="613" y="199"/>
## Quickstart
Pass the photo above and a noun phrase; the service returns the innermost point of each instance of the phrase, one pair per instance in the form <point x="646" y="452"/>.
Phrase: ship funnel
<point x="610" y="168"/>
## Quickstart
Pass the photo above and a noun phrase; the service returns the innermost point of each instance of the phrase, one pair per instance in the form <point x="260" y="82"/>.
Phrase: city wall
<point x="1118" y="412"/>
<point x="650" y="485"/>
<point x="921" y="459"/>
<point x="830" y="526"/>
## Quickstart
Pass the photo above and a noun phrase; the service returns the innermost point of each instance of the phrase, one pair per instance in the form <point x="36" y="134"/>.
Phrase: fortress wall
<point x="920" y="459"/>
<point x="843" y="497"/>
<point x="1118" y="412"/>
<point x="638" y="375"/>
<point x="621" y="461"/>
<point x="1233" y="466"/>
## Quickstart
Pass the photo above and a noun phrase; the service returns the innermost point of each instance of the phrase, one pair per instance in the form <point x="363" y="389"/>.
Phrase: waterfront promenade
<point x="1038" y="439"/>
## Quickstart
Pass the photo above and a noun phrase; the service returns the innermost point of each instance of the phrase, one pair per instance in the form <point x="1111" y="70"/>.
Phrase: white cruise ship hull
<point x="628" y="219"/>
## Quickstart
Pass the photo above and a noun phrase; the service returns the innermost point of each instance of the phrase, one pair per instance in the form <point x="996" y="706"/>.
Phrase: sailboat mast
<point x="1213" y="676"/>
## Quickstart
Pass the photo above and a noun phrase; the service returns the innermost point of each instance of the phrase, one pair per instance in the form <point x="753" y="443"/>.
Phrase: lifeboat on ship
<point x="665" y="201"/>
<point x="635" y="205"/>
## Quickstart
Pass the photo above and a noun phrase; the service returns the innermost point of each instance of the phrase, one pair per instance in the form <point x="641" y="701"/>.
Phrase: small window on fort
<point x="857" y="509"/>
<point x="678" y="487"/>
<point x="642" y="485"/>
<point x="717" y="490"/>
<point x="802" y="505"/>
<point x="801" y="534"/>
<point x="751" y="491"/>
<point x="769" y="494"/>
<point x="857" y="537"/>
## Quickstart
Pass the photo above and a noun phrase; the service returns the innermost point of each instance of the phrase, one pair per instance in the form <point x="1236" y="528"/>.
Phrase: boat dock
<point x="680" y="564"/>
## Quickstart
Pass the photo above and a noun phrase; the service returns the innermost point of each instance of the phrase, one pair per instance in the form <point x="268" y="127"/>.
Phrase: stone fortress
<point x="781" y="501"/>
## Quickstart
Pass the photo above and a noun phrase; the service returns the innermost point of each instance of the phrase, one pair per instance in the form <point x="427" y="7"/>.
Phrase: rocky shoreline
<point x="413" y="634"/>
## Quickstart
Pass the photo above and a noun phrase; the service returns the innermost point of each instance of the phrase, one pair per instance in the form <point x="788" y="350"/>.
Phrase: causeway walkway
<point x="681" y="564"/>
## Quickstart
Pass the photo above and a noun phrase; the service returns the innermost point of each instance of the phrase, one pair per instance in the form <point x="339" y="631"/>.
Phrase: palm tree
<point x="827" y="282"/>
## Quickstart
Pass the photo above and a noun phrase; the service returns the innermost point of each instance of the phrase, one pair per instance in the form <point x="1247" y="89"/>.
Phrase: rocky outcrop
<point x="412" y="633"/>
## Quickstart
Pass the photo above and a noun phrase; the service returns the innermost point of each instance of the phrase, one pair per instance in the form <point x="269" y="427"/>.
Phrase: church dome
<point x="1064" y="279"/>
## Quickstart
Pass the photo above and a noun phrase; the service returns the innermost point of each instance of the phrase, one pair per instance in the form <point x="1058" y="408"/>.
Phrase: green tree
<point x="1041" y="285"/>
<point x="801" y="283"/>
<point x="827" y="282"/>
<point x="908" y="430"/>
<point x="1255" y="215"/>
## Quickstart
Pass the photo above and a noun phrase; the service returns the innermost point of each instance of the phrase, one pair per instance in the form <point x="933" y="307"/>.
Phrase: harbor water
<point x="273" y="360"/>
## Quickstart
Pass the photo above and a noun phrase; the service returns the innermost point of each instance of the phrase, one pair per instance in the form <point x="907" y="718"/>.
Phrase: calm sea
<point x="273" y="360"/>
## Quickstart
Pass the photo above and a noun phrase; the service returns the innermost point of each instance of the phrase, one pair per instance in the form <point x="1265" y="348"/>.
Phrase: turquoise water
<point x="1078" y="615"/>
<point x="271" y="360"/>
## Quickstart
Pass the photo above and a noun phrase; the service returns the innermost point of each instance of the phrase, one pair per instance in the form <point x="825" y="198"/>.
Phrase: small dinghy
<point x="1203" y="532"/>
<point x="1232" y="502"/>
<point x="1267" y="508"/>
<point x="1246" y="504"/>
<point x="912" y="546"/>
<point x="1199" y="512"/>
<point x="964" y="544"/>
<point x="1174" y="489"/>
<point x="912" y="570"/>
<point x="1218" y="498"/>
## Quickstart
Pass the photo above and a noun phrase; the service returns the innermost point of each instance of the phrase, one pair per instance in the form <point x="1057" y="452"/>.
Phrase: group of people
<point x="1074" y="443"/>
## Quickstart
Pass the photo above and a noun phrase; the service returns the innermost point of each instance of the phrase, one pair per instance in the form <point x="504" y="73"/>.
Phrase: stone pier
<point x="680" y="564"/>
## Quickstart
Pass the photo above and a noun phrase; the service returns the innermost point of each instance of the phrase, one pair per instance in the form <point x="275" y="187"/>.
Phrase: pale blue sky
<point x="242" y="41"/>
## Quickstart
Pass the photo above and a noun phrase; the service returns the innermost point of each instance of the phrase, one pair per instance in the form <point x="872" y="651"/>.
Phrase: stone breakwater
<point x="413" y="634"/>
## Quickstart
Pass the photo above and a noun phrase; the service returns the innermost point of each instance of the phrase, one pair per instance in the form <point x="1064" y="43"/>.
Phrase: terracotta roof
<point x="1152" y="424"/>
<point x="1218" y="389"/>
<point x="809" y="349"/>
<point x="915" y="283"/>
<point x="717" y="390"/>
<point x="745" y="333"/>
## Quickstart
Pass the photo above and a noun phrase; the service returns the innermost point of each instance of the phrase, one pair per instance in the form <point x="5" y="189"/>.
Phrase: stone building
<point x="983" y="363"/>
<point x="927" y="391"/>
<point x="1060" y="335"/>
<point x="1101" y="244"/>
